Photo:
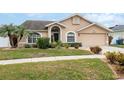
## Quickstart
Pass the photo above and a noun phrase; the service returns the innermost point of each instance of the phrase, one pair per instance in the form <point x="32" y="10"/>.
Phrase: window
<point x="76" y="20"/>
<point x="70" y="37"/>
<point x="33" y="38"/>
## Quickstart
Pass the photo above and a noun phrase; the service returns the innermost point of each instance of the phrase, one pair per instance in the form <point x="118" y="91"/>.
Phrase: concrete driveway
<point x="107" y="48"/>
<point x="112" y="49"/>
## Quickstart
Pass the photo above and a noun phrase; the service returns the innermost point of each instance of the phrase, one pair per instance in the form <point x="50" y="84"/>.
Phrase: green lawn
<point x="31" y="53"/>
<point x="84" y="69"/>
<point x="120" y="46"/>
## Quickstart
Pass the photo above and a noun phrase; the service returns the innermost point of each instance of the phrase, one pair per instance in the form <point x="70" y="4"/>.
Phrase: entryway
<point x="55" y="34"/>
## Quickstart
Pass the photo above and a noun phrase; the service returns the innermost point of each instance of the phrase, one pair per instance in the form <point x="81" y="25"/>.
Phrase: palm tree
<point x="15" y="33"/>
<point x="20" y="33"/>
<point x="8" y="31"/>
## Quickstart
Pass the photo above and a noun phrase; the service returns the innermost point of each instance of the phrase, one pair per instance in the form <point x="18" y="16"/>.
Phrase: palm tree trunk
<point x="13" y="42"/>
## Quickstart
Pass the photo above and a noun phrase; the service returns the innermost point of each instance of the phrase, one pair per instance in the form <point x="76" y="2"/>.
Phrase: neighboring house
<point x="4" y="42"/>
<point x="118" y="33"/>
<point x="69" y="30"/>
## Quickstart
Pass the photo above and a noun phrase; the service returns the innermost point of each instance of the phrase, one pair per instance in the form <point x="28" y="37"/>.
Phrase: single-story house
<point x="118" y="33"/>
<point x="74" y="28"/>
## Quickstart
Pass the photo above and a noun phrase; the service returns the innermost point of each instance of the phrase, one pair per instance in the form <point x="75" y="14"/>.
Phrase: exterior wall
<point x="24" y="39"/>
<point x="72" y="27"/>
<point x="44" y="34"/>
<point x="93" y="29"/>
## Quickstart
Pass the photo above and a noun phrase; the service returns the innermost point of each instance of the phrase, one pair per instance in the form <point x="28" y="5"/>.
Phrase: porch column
<point x="60" y="34"/>
<point x="49" y="33"/>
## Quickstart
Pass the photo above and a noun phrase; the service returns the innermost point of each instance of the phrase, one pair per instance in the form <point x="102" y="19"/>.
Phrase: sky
<point x="106" y="19"/>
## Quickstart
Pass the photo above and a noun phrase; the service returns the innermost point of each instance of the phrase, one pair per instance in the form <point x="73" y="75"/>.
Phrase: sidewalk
<point x="45" y="59"/>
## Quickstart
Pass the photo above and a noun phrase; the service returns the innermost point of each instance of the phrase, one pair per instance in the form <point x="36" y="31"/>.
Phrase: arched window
<point x="71" y="37"/>
<point x="33" y="38"/>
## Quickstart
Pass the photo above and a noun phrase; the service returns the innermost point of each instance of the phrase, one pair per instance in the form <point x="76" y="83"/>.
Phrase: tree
<point x="20" y="33"/>
<point x="110" y="39"/>
<point x="14" y="33"/>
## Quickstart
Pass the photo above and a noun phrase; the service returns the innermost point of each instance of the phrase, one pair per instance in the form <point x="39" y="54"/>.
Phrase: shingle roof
<point x="117" y="27"/>
<point x="36" y="24"/>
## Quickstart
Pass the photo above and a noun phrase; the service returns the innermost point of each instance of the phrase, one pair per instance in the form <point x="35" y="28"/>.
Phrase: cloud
<point x="106" y="19"/>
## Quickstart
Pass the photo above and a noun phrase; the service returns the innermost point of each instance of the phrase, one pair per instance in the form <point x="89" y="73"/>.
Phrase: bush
<point x="111" y="57"/>
<point x="59" y="45"/>
<point x="73" y="44"/>
<point x="119" y="69"/>
<point x="34" y="45"/>
<point x="66" y="45"/>
<point x="95" y="50"/>
<point x="77" y="46"/>
<point x="53" y="45"/>
<point x="27" y="46"/>
<point x="120" y="58"/>
<point x="43" y="43"/>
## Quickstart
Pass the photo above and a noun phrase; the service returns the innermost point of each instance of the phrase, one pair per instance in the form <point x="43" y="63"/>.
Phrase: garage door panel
<point x="93" y="39"/>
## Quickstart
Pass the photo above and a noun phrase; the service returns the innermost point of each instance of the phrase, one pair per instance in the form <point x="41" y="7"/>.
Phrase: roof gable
<point x="109" y="30"/>
<point x="76" y="15"/>
<point x="69" y="18"/>
<point x="55" y="23"/>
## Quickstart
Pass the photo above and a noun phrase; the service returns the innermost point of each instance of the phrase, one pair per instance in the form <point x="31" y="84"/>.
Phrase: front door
<point x="56" y="37"/>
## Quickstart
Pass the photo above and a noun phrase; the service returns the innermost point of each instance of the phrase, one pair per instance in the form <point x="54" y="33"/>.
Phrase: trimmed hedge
<point x="43" y="43"/>
<point x="27" y="46"/>
<point x="30" y="46"/>
<point x="72" y="44"/>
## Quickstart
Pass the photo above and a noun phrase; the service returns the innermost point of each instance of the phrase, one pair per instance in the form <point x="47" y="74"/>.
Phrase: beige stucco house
<point x="75" y="28"/>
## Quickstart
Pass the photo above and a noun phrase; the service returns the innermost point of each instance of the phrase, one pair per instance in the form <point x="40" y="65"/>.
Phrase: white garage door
<point x="4" y="42"/>
<point x="93" y="39"/>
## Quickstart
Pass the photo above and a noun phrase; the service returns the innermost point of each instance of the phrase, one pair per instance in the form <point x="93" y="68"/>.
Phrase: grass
<point x="83" y="69"/>
<point x="32" y="53"/>
<point x="120" y="46"/>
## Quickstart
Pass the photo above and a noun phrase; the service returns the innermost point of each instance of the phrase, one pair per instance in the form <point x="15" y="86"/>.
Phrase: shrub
<point x="59" y="45"/>
<point x="66" y="45"/>
<point x="95" y="50"/>
<point x="73" y="44"/>
<point x="34" y="45"/>
<point x="120" y="58"/>
<point x="43" y="43"/>
<point x="53" y="45"/>
<point x="77" y="46"/>
<point x="119" y="69"/>
<point x="111" y="57"/>
<point x="27" y="46"/>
